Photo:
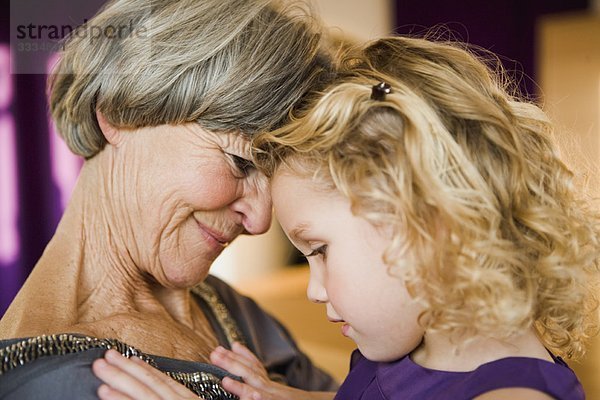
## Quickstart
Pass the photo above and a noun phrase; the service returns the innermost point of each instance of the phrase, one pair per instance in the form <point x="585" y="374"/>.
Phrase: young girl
<point x="442" y="232"/>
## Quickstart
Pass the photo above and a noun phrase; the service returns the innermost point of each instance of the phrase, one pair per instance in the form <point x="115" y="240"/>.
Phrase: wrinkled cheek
<point x="215" y="190"/>
<point x="182" y="259"/>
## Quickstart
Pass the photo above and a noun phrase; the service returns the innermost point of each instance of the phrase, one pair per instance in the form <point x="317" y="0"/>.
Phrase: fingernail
<point x="112" y="355"/>
<point x="100" y="363"/>
<point x="103" y="390"/>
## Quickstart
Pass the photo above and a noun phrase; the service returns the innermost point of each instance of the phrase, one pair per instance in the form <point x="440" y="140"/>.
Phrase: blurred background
<point x="552" y="48"/>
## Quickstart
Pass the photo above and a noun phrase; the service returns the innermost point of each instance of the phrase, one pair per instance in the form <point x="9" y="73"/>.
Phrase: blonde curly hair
<point x="493" y="235"/>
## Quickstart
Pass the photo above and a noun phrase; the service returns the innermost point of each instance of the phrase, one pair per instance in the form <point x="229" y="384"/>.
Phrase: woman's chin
<point x="180" y="274"/>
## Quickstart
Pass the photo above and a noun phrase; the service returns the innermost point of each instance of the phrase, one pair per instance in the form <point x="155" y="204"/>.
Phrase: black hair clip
<point x="379" y="91"/>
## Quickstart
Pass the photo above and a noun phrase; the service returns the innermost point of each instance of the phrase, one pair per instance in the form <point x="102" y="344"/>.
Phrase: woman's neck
<point x="439" y="352"/>
<point x="87" y="272"/>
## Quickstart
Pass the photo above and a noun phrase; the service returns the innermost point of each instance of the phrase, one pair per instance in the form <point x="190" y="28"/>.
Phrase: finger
<point x="245" y="352"/>
<point x="225" y="353"/>
<point x="105" y="392"/>
<point x="242" y="390"/>
<point x="151" y="377"/>
<point x="256" y="378"/>
<point x="161" y="378"/>
<point x="122" y="382"/>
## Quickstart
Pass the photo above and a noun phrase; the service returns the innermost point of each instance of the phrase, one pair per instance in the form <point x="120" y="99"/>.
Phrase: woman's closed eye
<point x="319" y="251"/>
<point x="244" y="165"/>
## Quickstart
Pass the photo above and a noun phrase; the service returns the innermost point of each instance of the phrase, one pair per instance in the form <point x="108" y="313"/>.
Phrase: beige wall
<point x="569" y="60"/>
<point x="357" y="19"/>
<point x="569" y="75"/>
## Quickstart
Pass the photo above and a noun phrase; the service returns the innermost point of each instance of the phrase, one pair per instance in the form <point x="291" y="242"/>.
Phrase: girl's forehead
<point x="284" y="176"/>
<point x="290" y="186"/>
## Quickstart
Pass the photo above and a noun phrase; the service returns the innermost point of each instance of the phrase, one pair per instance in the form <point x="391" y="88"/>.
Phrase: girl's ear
<point x="111" y="133"/>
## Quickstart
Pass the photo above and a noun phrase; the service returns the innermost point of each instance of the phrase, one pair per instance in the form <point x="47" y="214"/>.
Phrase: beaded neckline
<point x="28" y="350"/>
<point x="204" y="384"/>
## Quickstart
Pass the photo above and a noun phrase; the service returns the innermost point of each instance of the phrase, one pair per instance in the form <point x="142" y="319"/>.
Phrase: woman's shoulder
<point x="59" y="366"/>
<point x="44" y="368"/>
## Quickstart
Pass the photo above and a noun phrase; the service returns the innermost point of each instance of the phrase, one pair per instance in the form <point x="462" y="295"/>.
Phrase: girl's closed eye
<point x="319" y="251"/>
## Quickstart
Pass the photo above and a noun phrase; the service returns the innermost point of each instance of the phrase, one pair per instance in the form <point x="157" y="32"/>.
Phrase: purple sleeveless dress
<point x="403" y="379"/>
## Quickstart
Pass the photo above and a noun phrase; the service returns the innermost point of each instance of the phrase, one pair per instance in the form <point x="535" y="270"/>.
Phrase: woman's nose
<point x="255" y="206"/>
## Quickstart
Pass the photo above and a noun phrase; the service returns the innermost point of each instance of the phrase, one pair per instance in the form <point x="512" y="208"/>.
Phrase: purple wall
<point x="36" y="171"/>
<point x="506" y="27"/>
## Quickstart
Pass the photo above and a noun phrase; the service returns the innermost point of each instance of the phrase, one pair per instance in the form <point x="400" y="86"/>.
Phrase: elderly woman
<point x="162" y="111"/>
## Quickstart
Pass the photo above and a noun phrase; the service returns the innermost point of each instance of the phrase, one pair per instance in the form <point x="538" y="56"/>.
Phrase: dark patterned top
<point x="59" y="366"/>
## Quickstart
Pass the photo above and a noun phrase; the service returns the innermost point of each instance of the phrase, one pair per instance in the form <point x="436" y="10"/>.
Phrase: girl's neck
<point x="439" y="352"/>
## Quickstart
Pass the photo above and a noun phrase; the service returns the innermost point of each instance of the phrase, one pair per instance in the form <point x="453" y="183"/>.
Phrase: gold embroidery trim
<point x="204" y="384"/>
<point x="230" y="327"/>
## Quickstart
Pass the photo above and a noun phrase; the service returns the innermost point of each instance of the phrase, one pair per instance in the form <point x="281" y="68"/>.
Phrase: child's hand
<point x="133" y="379"/>
<point x="257" y="386"/>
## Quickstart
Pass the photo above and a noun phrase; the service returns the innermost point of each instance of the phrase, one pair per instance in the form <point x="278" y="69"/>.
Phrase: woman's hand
<point x="133" y="379"/>
<point x="257" y="386"/>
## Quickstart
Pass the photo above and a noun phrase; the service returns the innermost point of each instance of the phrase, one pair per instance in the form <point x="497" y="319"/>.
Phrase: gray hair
<point x="229" y="65"/>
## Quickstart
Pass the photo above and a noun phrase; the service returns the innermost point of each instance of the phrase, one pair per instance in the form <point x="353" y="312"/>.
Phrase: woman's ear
<point x="112" y="134"/>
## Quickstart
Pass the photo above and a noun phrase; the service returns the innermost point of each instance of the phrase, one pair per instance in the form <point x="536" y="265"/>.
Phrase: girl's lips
<point x="345" y="329"/>
<point x="345" y="325"/>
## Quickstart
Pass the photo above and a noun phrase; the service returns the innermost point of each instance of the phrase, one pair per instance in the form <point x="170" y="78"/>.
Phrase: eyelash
<point x="319" y="251"/>
<point x="242" y="164"/>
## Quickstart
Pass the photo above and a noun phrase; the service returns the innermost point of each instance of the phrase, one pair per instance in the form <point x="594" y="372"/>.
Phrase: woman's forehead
<point x="233" y="141"/>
